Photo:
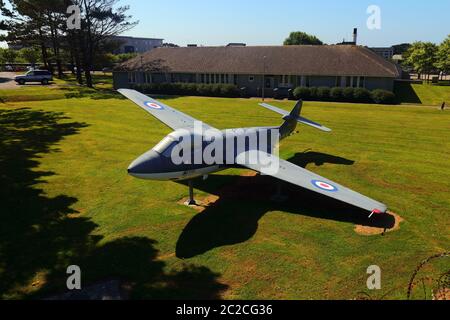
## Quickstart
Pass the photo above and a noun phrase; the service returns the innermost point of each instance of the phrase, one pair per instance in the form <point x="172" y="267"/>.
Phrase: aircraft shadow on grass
<point x="244" y="201"/>
<point x="43" y="235"/>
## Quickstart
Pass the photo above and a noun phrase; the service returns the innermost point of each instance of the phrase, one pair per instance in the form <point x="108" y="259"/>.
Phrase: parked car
<point x="41" y="76"/>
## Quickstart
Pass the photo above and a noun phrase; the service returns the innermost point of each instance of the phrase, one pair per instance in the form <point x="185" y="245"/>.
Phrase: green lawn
<point x="59" y="89"/>
<point x="66" y="199"/>
<point x="426" y="94"/>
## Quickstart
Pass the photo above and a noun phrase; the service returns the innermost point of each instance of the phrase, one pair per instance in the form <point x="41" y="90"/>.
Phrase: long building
<point x="385" y="52"/>
<point x="136" y="45"/>
<point x="254" y="67"/>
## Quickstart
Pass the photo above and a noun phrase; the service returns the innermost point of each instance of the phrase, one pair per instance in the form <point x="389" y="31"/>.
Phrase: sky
<point x="263" y="22"/>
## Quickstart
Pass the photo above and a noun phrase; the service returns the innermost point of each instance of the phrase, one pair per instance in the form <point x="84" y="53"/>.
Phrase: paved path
<point x="6" y="80"/>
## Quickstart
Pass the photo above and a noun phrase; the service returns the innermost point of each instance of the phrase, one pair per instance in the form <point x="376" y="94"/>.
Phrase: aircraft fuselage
<point x="158" y="163"/>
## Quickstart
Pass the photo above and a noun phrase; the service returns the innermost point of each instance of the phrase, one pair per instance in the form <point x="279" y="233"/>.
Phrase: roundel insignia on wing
<point x="153" y="105"/>
<point x="324" y="186"/>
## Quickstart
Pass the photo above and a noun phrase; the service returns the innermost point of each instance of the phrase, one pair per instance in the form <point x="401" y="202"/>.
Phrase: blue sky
<point x="262" y="22"/>
<point x="259" y="22"/>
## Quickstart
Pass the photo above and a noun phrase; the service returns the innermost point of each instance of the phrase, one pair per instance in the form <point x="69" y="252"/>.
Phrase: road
<point x="6" y="80"/>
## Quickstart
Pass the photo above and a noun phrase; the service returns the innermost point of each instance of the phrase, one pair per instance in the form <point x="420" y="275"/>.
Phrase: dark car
<point x="41" y="76"/>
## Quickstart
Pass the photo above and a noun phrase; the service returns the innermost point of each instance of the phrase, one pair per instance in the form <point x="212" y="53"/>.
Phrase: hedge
<point x="302" y="93"/>
<point x="345" y="95"/>
<point x="231" y="91"/>
<point x="323" y="93"/>
<point x="362" y="95"/>
<point x="383" y="97"/>
<point x="336" y="94"/>
<point x="190" y="89"/>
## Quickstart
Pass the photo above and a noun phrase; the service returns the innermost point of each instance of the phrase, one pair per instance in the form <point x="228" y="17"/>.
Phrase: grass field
<point x="59" y="89"/>
<point x="66" y="199"/>
<point x="426" y="94"/>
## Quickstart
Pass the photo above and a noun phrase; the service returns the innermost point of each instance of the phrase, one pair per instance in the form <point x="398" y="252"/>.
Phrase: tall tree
<point x="31" y="23"/>
<point x="301" y="38"/>
<point x="401" y="48"/>
<point x="31" y="55"/>
<point x="43" y="23"/>
<point x="443" y="56"/>
<point x="422" y="57"/>
<point x="10" y="55"/>
<point x="100" y="19"/>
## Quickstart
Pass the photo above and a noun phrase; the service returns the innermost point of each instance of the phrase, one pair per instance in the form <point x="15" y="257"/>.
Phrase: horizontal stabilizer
<point x="295" y="116"/>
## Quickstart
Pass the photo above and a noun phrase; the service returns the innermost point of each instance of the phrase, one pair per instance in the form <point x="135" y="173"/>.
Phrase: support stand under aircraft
<point x="157" y="164"/>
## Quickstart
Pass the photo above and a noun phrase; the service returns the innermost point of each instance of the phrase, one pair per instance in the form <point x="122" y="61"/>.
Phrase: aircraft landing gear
<point x="191" y="201"/>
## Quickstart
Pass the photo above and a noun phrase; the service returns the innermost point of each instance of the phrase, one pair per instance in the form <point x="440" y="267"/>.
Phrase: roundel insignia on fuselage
<point x="153" y="105"/>
<point x="324" y="186"/>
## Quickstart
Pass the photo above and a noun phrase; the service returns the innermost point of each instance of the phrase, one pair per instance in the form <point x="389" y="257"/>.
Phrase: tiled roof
<point x="333" y="60"/>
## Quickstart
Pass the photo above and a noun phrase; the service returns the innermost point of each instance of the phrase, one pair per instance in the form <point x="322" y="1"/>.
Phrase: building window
<point x="286" y="80"/>
<point x="251" y="78"/>
<point x="132" y="77"/>
<point x="307" y="81"/>
<point x="362" y="82"/>
<point x="147" y="77"/>
<point x="338" y="81"/>
<point x="348" y="81"/>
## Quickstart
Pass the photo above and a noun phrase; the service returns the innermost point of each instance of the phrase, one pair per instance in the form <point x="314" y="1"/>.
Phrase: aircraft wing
<point x="169" y="116"/>
<point x="291" y="173"/>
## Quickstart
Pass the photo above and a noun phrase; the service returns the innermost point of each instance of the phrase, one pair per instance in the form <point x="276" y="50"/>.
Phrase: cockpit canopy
<point x="166" y="146"/>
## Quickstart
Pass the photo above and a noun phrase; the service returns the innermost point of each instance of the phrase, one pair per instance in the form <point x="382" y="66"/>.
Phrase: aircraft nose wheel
<point x="191" y="201"/>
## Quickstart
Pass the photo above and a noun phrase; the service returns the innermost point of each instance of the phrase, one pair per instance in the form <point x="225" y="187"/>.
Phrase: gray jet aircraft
<point x="157" y="164"/>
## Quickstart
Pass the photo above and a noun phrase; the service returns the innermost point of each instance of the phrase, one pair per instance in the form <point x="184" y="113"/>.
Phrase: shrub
<point x="323" y="93"/>
<point x="383" y="97"/>
<point x="189" y="89"/>
<point x="229" y="90"/>
<point x="313" y="93"/>
<point x="336" y="94"/>
<point x="347" y="94"/>
<point x="302" y="93"/>
<point x="361" y="95"/>
<point x="202" y="90"/>
<point x="215" y="90"/>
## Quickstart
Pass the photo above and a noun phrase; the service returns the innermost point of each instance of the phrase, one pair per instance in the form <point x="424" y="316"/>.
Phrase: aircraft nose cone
<point x="146" y="164"/>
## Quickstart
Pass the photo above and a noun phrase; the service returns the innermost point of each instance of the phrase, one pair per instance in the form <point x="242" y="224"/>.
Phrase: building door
<point x="269" y="82"/>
